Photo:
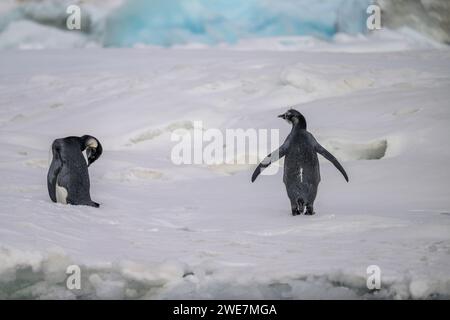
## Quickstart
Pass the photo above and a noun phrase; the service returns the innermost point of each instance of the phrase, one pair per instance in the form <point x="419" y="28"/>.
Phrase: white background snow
<point x="166" y="231"/>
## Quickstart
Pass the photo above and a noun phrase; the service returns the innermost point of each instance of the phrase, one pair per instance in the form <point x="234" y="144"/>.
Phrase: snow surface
<point x="166" y="231"/>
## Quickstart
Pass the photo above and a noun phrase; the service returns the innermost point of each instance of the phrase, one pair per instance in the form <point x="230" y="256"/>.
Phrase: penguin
<point x="68" y="176"/>
<point x="301" y="166"/>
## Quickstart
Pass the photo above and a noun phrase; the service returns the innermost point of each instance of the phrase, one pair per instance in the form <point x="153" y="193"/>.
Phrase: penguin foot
<point x="310" y="211"/>
<point x="94" y="204"/>
<point x="301" y="207"/>
<point x="298" y="207"/>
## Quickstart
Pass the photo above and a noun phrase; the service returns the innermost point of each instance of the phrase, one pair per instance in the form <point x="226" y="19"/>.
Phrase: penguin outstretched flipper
<point x="327" y="155"/>
<point x="271" y="157"/>
<point x="301" y="165"/>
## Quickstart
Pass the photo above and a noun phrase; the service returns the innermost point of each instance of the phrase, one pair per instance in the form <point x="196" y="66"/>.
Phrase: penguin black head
<point x="294" y="117"/>
<point x="93" y="148"/>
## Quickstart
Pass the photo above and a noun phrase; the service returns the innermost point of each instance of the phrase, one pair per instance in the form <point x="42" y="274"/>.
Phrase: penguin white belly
<point x="61" y="194"/>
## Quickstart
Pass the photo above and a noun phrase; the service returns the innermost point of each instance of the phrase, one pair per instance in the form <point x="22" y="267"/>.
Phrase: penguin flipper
<point x="271" y="157"/>
<point x="324" y="152"/>
<point x="52" y="176"/>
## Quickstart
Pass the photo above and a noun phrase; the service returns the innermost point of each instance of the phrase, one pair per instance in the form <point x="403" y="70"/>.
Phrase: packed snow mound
<point x="347" y="150"/>
<point x="30" y="275"/>
<point x="24" y="34"/>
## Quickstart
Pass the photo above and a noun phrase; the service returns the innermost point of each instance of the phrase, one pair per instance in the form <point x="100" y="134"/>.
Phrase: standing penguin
<point x="301" y="166"/>
<point x="68" y="176"/>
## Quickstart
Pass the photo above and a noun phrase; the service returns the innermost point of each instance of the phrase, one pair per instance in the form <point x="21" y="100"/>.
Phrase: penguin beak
<point x="282" y="116"/>
<point x="90" y="153"/>
<point x="93" y="154"/>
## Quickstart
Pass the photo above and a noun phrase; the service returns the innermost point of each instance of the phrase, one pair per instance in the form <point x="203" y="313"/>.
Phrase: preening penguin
<point x="68" y="176"/>
<point x="301" y="166"/>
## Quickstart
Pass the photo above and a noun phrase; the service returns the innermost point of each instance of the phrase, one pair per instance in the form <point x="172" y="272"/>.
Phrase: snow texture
<point x="197" y="231"/>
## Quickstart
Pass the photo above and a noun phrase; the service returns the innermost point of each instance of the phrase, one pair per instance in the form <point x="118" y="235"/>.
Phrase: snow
<point x="25" y="34"/>
<point x="198" y="231"/>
